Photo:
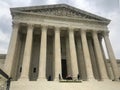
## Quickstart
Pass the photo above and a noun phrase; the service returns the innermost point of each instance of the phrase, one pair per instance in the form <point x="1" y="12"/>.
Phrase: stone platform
<point x="55" y="85"/>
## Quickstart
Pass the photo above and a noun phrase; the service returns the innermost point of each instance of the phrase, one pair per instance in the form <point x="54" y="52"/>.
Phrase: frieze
<point x="64" y="23"/>
<point x="61" y="12"/>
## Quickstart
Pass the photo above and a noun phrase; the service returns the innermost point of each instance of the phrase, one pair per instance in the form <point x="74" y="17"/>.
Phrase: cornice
<point x="73" y="19"/>
<point x="25" y="9"/>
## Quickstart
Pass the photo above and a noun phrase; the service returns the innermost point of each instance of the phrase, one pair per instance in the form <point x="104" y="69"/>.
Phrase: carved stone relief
<point x="61" y="12"/>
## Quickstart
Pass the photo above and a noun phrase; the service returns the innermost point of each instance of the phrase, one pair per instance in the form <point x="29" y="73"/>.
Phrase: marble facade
<point x="49" y="43"/>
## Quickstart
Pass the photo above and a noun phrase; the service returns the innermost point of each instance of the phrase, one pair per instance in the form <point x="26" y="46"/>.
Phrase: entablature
<point x="59" y="21"/>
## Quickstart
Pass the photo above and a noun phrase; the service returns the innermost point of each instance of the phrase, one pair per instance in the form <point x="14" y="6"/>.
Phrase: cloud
<point x="38" y="2"/>
<point x="109" y="9"/>
<point x="114" y="28"/>
<point x="4" y="40"/>
<point x="105" y="8"/>
<point x="3" y="37"/>
<point x="105" y="5"/>
<point x="5" y="26"/>
<point x="43" y="2"/>
<point x="16" y="3"/>
<point x="65" y="1"/>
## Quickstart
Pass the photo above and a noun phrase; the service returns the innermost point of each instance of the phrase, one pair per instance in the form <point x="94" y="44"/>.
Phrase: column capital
<point x="94" y="31"/>
<point x="83" y="31"/>
<point x="71" y="28"/>
<point x="100" y="36"/>
<point x="57" y="28"/>
<point x="43" y="26"/>
<point x="30" y="26"/>
<point x="106" y="33"/>
<point x="15" y="24"/>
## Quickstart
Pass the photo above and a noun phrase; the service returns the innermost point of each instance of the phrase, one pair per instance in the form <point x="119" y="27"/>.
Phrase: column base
<point x="117" y="79"/>
<point x="41" y="79"/>
<point x="74" y="78"/>
<point x="92" y="80"/>
<point x="101" y="80"/>
<point x="105" y="79"/>
<point x="23" y="79"/>
<point x="58" y="78"/>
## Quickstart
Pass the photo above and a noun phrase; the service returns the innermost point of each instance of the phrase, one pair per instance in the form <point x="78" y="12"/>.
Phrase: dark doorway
<point x="64" y="68"/>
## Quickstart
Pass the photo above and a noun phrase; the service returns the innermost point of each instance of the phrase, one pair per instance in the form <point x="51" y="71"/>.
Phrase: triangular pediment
<point x="62" y="10"/>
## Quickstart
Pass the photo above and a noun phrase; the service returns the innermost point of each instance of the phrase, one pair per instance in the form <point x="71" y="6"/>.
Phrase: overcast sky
<point x="106" y="8"/>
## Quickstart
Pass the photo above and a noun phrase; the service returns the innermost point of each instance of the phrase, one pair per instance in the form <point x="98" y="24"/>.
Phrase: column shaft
<point x="81" y="62"/>
<point x="69" y="68"/>
<point x="111" y="57"/>
<point x="57" y="54"/>
<point x="99" y="56"/>
<point x="93" y="59"/>
<point x="27" y="53"/>
<point x="42" y="61"/>
<point x="11" y="50"/>
<point x="87" y="59"/>
<point x="73" y="55"/>
<point x="103" y="53"/>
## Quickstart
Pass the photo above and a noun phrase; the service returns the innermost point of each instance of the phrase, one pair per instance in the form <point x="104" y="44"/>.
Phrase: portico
<point x="53" y="47"/>
<point x="47" y="62"/>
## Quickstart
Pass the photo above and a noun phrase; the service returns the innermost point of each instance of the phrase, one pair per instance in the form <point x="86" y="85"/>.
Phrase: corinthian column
<point x="73" y="56"/>
<point x="86" y="53"/>
<point x="69" y="68"/>
<point x="111" y="56"/>
<point x="11" y="50"/>
<point x="42" y="61"/>
<point x="99" y="56"/>
<point x="57" y="54"/>
<point x="27" y="53"/>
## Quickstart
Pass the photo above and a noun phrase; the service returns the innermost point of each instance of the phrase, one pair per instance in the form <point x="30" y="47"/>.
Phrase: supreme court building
<point x="59" y="47"/>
